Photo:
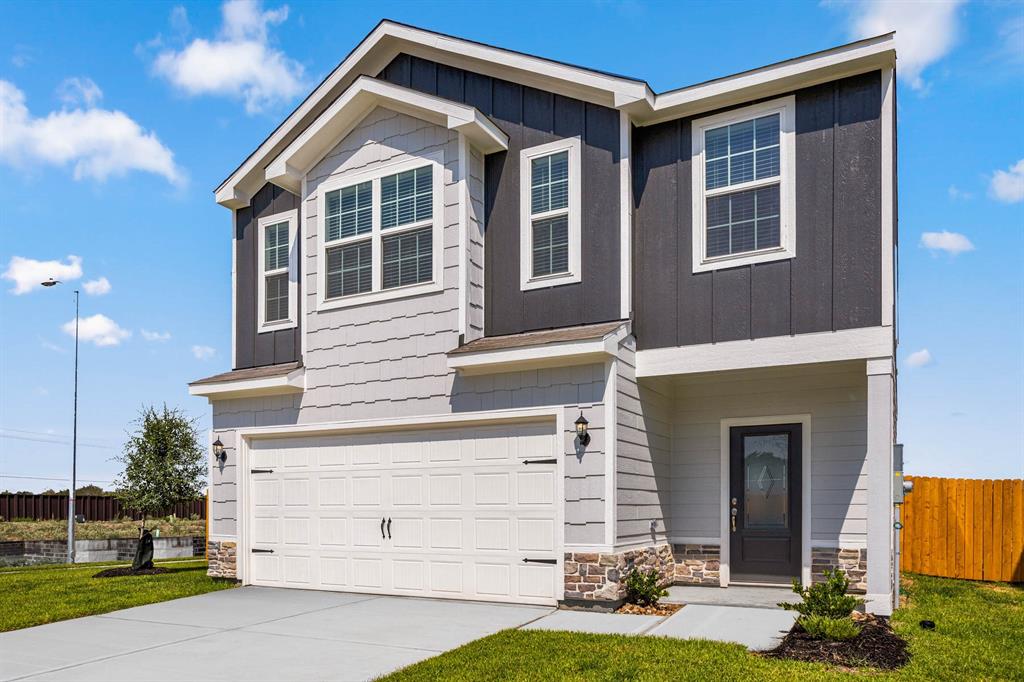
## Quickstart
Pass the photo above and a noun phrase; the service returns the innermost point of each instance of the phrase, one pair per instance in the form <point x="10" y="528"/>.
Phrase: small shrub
<point x="827" y="599"/>
<point x="835" y="629"/>
<point x="644" y="588"/>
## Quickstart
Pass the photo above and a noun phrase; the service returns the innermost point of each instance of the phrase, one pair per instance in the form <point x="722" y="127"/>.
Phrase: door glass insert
<point x="765" y="473"/>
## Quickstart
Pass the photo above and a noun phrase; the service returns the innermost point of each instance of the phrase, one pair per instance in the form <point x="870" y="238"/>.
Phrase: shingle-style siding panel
<point x="531" y="117"/>
<point x="475" y="246"/>
<point x="643" y="461"/>
<point x="834" y="282"/>
<point x="836" y="398"/>
<point x="388" y="359"/>
<point x="254" y="349"/>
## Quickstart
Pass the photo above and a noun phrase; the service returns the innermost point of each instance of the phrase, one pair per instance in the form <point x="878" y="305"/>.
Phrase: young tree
<point x="163" y="462"/>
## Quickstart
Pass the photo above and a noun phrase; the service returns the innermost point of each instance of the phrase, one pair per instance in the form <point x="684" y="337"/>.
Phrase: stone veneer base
<point x="594" y="577"/>
<point x="853" y="562"/>
<point x="222" y="555"/>
<point x="697" y="564"/>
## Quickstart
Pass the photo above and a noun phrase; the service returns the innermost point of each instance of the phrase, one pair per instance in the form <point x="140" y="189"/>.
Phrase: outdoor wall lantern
<point x="581" y="430"/>
<point x="218" y="451"/>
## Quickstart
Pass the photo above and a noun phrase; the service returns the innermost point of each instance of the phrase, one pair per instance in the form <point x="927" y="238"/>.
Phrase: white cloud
<point x="239" y="62"/>
<point x="98" y="143"/>
<point x="919" y="358"/>
<point x="27" y="273"/>
<point x="955" y="193"/>
<point x="49" y="345"/>
<point x="925" y="31"/>
<point x="155" y="336"/>
<point x="79" y="92"/>
<point x="97" y="287"/>
<point x="99" y="329"/>
<point x="1008" y="185"/>
<point x="952" y="243"/>
<point x="203" y="352"/>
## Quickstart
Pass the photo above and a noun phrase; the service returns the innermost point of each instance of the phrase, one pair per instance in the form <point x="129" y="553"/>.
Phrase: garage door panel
<point x="465" y="512"/>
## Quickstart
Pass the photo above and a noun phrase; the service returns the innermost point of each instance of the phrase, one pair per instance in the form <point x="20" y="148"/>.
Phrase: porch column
<point x="880" y="438"/>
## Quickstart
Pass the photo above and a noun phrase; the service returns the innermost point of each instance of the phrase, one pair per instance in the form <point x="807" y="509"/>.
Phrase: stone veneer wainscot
<point x="590" y="576"/>
<point x="223" y="559"/>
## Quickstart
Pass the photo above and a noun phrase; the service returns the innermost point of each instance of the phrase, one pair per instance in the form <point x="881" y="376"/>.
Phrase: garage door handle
<point x="540" y="561"/>
<point x="540" y="461"/>
<point x="383" y="537"/>
<point x="262" y="551"/>
<point x="389" y="528"/>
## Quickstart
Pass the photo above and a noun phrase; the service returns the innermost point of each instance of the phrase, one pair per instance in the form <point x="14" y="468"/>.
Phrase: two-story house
<point x="504" y="328"/>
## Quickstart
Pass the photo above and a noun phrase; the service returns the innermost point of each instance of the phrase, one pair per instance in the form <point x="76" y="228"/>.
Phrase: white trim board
<point x="388" y="39"/>
<point x="293" y="382"/>
<point x="849" y="344"/>
<point x="563" y="354"/>
<point x="805" y="498"/>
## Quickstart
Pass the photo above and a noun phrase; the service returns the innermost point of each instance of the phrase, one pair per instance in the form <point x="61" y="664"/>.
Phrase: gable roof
<point x="389" y="39"/>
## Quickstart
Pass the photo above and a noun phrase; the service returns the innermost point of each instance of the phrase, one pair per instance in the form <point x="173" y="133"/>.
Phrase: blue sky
<point x="117" y="120"/>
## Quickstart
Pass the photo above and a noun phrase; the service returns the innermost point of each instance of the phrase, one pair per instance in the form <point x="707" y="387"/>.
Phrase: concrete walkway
<point x="254" y="633"/>
<point x="757" y="629"/>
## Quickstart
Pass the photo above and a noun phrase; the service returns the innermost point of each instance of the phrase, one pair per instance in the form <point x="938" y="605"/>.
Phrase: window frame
<point x="292" y="320"/>
<point x="786" y="180"/>
<point x="572" y="145"/>
<point x="376" y="234"/>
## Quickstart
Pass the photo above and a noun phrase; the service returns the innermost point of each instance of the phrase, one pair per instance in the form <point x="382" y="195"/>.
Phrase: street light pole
<point x="74" y="439"/>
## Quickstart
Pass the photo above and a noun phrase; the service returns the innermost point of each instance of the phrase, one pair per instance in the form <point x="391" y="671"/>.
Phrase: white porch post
<point x="881" y="437"/>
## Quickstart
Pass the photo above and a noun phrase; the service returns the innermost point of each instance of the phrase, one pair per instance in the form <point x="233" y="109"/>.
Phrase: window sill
<point x="407" y="291"/>
<point x="723" y="262"/>
<point x="550" y="281"/>
<point x="266" y="327"/>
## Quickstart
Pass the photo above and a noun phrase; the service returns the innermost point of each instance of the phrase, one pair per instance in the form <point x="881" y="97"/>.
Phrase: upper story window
<point x="380" y="233"/>
<point x="550" y="214"/>
<point x="743" y="186"/>
<point x="278" y="285"/>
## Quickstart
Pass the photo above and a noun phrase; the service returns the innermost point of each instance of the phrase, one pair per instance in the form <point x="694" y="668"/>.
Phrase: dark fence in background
<point x="94" y="507"/>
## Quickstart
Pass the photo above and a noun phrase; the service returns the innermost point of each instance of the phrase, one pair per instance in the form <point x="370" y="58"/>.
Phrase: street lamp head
<point x="50" y="282"/>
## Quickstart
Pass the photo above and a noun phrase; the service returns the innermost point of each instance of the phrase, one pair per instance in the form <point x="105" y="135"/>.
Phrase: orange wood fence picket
<point x="964" y="528"/>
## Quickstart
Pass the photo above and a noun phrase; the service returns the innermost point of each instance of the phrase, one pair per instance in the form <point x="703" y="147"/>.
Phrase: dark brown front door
<point x="764" y="465"/>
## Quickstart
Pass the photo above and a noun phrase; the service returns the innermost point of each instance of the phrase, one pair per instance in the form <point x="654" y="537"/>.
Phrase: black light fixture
<point x="218" y="451"/>
<point x="581" y="430"/>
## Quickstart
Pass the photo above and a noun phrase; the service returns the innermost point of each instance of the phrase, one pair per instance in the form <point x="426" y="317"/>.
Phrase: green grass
<point x="37" y="595"/>
<point x="99" y="530"/>
<point x="980" y="635"/>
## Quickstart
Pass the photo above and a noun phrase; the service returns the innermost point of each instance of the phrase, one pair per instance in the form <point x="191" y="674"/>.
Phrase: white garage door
<point x="469" y="513"/>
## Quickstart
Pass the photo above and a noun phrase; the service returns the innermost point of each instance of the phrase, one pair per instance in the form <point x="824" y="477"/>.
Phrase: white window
<point x="278" y="273"/>
<point x="380" y="233"/>
<point x="549" y="206"/>
<point x="743" y="186"/>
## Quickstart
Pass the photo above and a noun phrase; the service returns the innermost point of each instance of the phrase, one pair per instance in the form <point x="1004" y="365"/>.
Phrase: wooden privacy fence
<point x="94" y="507"/>
<point x="964" y="528"/>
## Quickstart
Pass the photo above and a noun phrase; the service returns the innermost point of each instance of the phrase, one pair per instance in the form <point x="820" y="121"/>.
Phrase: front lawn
<point x="98" y="530"/>
<point x="33" y="596"/>
<point x="979" y="635"/>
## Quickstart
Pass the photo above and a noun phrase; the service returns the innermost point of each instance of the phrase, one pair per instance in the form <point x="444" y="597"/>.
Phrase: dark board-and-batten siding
<point x="532" y="117"/>
<point x="268" y="348"/>
<point x="835" y="280"/>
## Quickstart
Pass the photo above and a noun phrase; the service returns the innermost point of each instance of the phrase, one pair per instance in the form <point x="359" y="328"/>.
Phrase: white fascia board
<point x="802" y="72"/>
<point x="561" y="354"/>
<point x="362" y="97"/>
<point x="293" y="382"/>
<point x="848" y="344"/>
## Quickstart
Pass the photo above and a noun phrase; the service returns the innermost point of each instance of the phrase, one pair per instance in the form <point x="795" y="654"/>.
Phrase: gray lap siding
<point x="834" y="281"/>
<point x="532" y="117"/>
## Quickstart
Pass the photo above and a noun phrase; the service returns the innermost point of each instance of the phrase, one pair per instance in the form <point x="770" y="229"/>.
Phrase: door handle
<point x="382" y="536"/>
<point x="389" y="528"/>
<point x="733" y="513"/>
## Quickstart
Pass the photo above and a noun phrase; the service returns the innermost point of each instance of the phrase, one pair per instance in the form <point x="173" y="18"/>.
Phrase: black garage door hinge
<point x="540" y="561"/>
<point x="261" y="471"/>
<point x="540" y="461"/>
<point x="262" y="551"/>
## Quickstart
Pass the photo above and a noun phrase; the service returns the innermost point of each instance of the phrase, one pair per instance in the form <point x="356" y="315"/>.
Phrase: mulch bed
<point x="127" y="570"/>
<point x="876" y="646"/>
<point x="654" y="610"/>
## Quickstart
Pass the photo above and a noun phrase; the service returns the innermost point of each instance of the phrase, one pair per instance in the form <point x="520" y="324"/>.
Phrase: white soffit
<point x="293" y="382"/>
<point x="389" y="39"/>
<point x="364" y="95"/>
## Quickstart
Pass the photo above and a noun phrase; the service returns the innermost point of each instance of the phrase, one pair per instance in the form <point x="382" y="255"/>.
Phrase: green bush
<point x="827" y="599"/>
<point x="644" y="588"/>
<point x="835" y="629"/>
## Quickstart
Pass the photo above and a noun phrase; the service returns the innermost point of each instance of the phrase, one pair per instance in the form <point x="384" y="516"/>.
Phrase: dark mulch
<point x="876" y="646"/>
<point x="127" y="570"/>
<point x="652" y="610"/>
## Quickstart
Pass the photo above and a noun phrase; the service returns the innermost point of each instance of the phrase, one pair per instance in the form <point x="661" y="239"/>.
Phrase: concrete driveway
<point x="254" y="633"/>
